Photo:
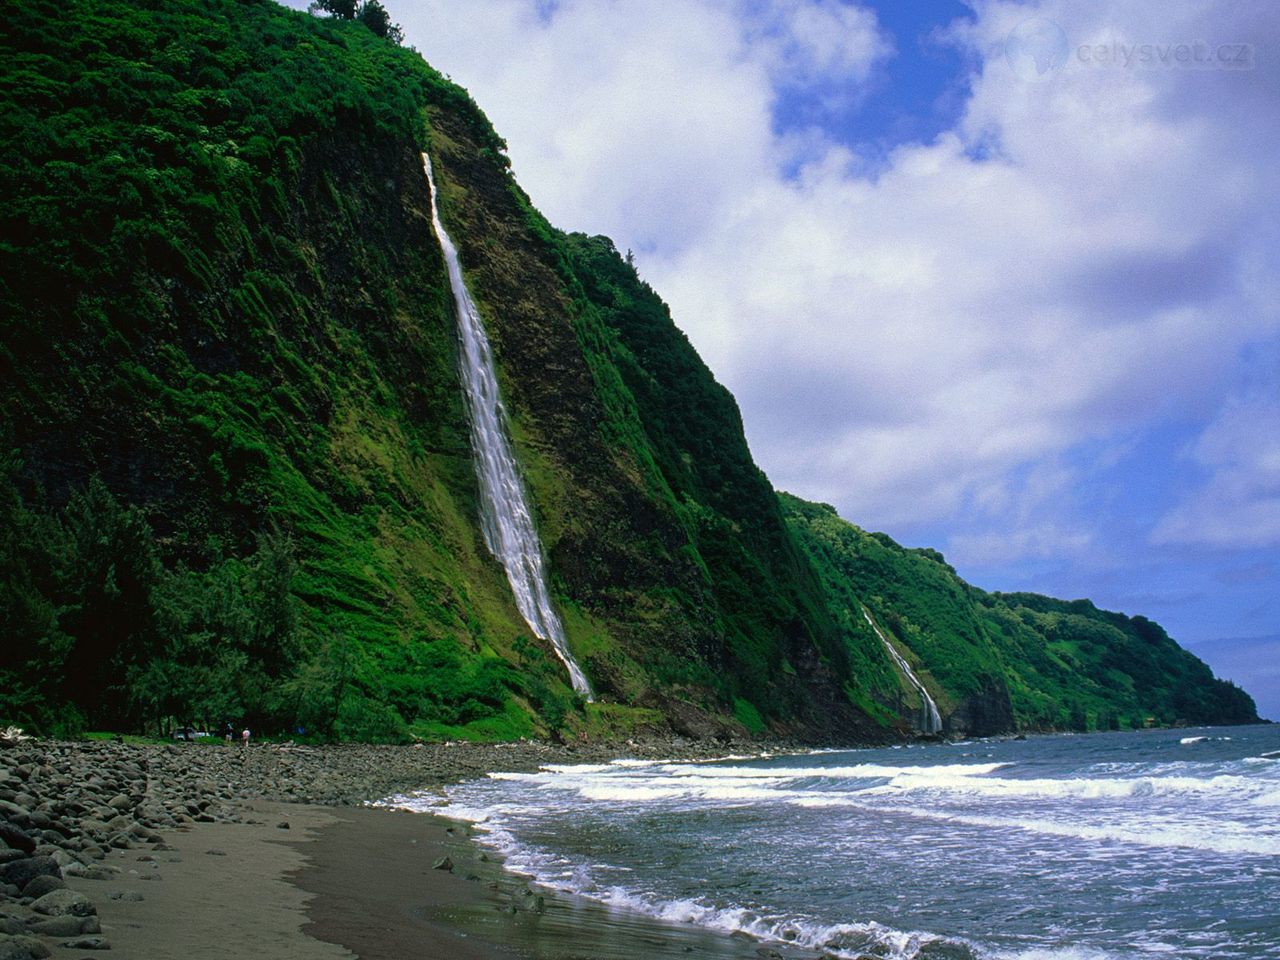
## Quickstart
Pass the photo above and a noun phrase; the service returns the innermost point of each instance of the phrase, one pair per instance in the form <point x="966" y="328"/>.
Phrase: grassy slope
<point x="679" y="576"/>
<point x="1064" y="664"/>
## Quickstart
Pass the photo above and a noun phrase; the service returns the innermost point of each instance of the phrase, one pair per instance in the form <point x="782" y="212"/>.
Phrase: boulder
<point x="12" y="811"/>
<point x="22" y="948"/>
<point x="41" y="885"/>
<point x="17" y="838"/>
<point x="64" y="903"/>
<point x="64" y="926"/>
<point x="62" y="858"/>
<point x="21" y="872"/>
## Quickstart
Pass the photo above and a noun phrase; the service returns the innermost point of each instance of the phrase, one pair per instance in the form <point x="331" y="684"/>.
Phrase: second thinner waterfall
<point x="504" y="509"/>
<point x="930" y="720"/>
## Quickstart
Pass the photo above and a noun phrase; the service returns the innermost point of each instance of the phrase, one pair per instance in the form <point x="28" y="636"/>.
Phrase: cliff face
<point x="237" y="318"/>
<point x="237" y="477"/>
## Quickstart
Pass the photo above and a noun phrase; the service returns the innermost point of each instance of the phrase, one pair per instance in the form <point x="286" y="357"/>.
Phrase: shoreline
<point x="401" y="905"/>
<point x="212" y="850"/>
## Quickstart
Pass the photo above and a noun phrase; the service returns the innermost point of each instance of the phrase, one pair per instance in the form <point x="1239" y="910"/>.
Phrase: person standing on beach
<point x="244" y="736"/>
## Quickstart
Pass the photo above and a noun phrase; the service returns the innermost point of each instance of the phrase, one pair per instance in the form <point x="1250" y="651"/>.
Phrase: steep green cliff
<point x="237" y="480"/>
<point x="995" y="661"/>
<point x="225" y="302"/>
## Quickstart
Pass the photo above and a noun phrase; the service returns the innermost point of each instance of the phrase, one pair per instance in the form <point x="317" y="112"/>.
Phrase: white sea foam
<point x="855" y="772"/>
<point x="1060" y="953"/>
<point x="722" y="783"/>
<point x="1094" y="788"/>
<point x="838" y="940"/>
<point x="1210" y="836"/>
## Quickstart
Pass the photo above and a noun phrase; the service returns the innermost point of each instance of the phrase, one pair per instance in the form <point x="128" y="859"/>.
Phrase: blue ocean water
<point x="1091" y="847"/>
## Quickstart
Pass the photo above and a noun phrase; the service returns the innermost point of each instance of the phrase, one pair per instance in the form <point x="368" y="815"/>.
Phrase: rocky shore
<point x="69" y="808"/>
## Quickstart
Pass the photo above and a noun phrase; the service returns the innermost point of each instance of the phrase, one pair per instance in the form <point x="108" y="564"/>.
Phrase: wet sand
<point x="378" y="894"/>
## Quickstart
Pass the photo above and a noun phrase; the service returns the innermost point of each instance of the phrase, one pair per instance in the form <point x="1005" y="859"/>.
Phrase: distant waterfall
<point x="504" y="509"/>
<point x="930" y="720"/>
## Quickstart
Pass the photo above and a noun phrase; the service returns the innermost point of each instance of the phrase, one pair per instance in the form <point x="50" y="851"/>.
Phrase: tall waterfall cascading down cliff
<point x="930" y="719"/>
<point x="505" y="517"/>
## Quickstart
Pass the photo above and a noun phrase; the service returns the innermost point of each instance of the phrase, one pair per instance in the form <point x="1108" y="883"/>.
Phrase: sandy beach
<point x="357" y="882"/>
<point x="191" y="852"/>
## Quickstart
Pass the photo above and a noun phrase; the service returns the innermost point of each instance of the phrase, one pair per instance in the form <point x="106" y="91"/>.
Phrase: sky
<point x="998" y="278"/>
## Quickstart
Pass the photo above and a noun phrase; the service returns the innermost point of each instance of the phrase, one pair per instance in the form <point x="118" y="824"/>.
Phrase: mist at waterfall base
<point x="505" y="517"/>
<point x="1088" y="847"/>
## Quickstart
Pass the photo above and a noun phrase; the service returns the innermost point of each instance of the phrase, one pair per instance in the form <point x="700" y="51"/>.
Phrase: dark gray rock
<point x="62" y="926"/>
<point x="131" y="896"/>
<point x="64" y="903"/>
<point x="22" y="948"/>
<point x="444" y="863"/>
<point x="17" y="838"/>
<point x="41" y="885"/>
<point x="88" y="943"/>
<point x="22" y="872"/>
<point x="12" y="811"/>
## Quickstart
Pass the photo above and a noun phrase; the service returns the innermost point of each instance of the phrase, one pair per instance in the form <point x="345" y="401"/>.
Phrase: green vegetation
<point x="237" y="482"/>
<point x="220" y="305"/>
<point x="1056" y="665"/>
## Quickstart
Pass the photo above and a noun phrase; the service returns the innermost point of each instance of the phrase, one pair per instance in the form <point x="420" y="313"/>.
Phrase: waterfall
<point x="930" y="720"/>
<point x="505" y="518"/>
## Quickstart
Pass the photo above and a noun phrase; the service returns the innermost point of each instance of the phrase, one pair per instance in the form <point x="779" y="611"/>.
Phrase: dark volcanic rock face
<point x="985" y="714"/>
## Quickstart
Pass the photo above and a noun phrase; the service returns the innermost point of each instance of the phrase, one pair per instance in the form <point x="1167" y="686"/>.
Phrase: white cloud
<point x="638" y="120"/>
<point x="1025" y="516"/>
<point x="803" y="42"/>
<point x="1077" y="258"/>
<point x="1239" y="505"/>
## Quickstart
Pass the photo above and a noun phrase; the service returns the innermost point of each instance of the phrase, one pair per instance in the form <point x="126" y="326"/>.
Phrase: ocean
<point x="1160" y="843"/>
